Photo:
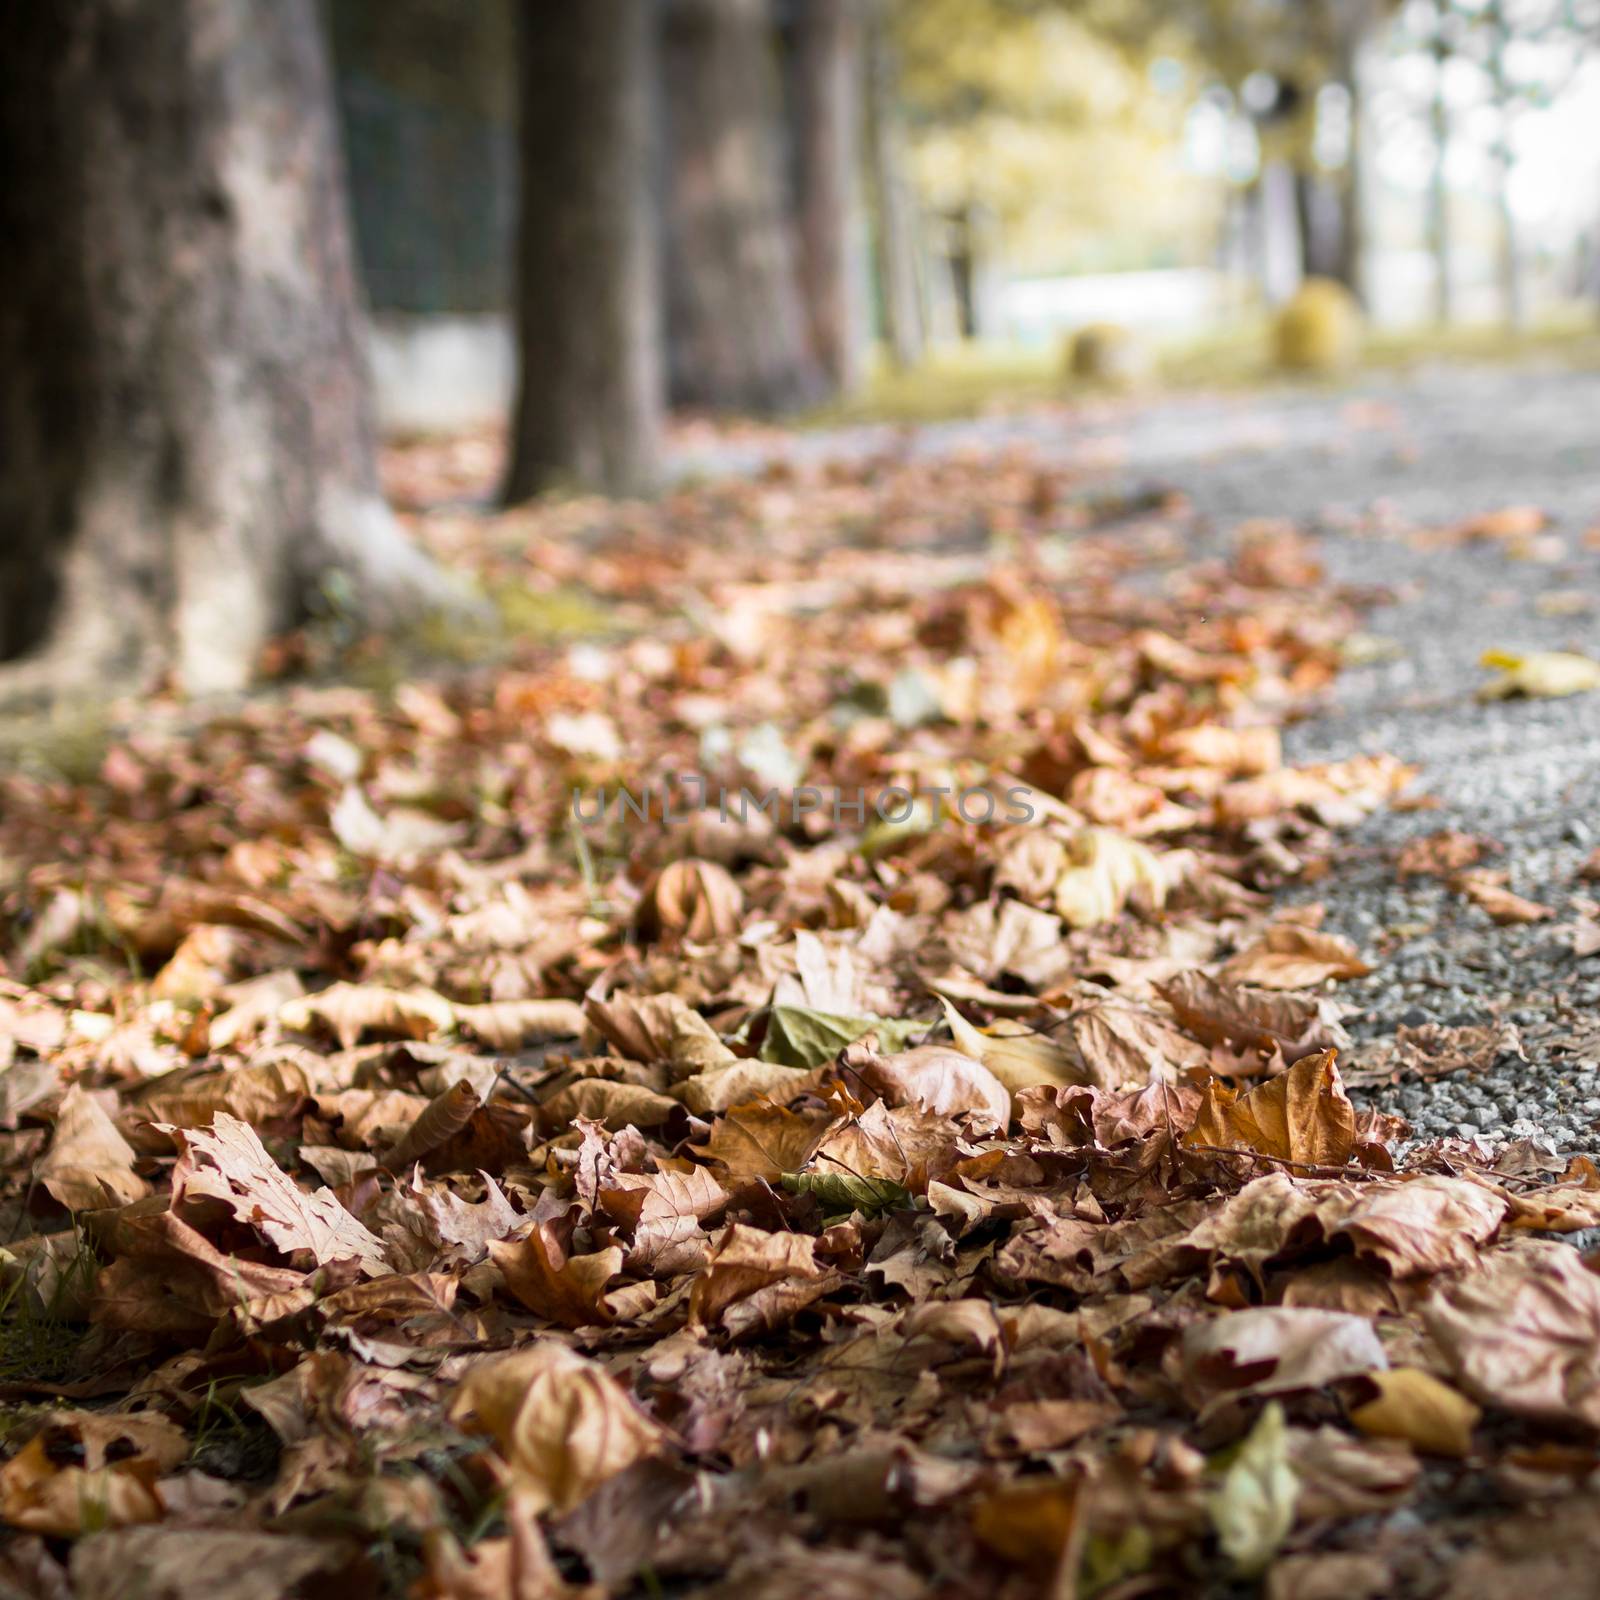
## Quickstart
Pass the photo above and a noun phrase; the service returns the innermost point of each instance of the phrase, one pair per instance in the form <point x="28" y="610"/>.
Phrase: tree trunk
<point x="963" y="259"/>
<point x="827" y="122"/>
<point x="1513" y="298"/>
<point x="1513" y="288"/>
<point x="893" y="230"/>
<point x="589" y="378"/>
<point x="184" y="413"/>
<point x="738" y="337"/>
<point x="1439" y="195"/>
<point x="1355" y="22"/>
<point x="1316" y="260"/>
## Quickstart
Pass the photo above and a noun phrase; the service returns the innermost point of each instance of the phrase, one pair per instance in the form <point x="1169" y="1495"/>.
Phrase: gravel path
<point x="1371" y="468"/>
<point x="1441" y="447"/>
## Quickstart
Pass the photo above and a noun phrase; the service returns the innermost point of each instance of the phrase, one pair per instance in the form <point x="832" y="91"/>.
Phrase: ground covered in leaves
<point x="937" y="1179"/>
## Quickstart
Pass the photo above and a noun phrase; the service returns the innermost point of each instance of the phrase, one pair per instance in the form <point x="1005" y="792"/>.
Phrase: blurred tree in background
<point x="184" y="410"/>
<point x="586" y="297"/>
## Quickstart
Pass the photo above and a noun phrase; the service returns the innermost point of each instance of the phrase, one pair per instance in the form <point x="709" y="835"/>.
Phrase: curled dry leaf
<point x="617" y="1105"/>
<point x="1277" y="1350"/>
<point x="696" y="900"/>
<point x="1441" y="854"/>
<point x="1254" y="1507"/>
<point x="542" y="1274"/>
<point x="1123" y="1044"/>
<point x="1304" y="1116"/>
<point x="1543" y="674"/>
<point x="1522" y="1333"/>
<point x="441" y="1120"/>
<point x="561" y="1422"/>
<point x="1415" y="1406"/>
<point x="1487" y="890"/>
<point x="349" y="1010"/>
<point x="89" y="1164"/>
<point x="761" y="1140"/>
<point x="515" y="1024"/>
<point x="1019" y="1057"/>
<point x="714" y="1091"/>
<point x="229" y="1163"/>
<point x="936" y="1078"/>
<point x="754" y="1281"/>
<point x="1289" y="956"/>
<point x="1217" y="1012"/>
<point x="86" y="1470"/>
<point x="1106" y="870"/>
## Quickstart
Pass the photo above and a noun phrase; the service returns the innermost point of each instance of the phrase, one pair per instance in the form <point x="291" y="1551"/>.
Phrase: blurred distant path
<point x="1373" y="467"/>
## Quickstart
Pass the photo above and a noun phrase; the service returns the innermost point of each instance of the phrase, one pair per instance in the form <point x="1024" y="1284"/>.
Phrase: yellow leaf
<point x="1415" y="1406"/>
<point x="1024" y="1060"/>
<point x="1547" y="674"/>
<point x="1253" y="1511"/>
<point x="1107" y="870"/>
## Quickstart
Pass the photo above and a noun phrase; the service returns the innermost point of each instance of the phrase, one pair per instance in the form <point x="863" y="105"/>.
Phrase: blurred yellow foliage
<point x="1033" y="120"/>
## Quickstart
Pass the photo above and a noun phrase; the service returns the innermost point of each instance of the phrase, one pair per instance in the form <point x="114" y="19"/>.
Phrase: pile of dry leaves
<point x="413" y="1188"/>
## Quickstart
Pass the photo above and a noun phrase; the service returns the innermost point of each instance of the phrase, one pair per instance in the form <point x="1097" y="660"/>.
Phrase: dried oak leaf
<point x="1304" y="1116"/>
<point x="561" y="1422"/>
<point x="1522" y="1332"/>
<point x="229" y="1163"/>
<point x="89" y="1164"/>
<point x="1289" y="956"/>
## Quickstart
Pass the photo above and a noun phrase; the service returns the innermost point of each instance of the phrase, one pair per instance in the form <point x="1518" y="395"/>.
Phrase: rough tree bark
<point x="737" y="333"/>
<point x="827" y="84"/>
<point x="590" y="387"/>
<point x="184" y="414"/>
